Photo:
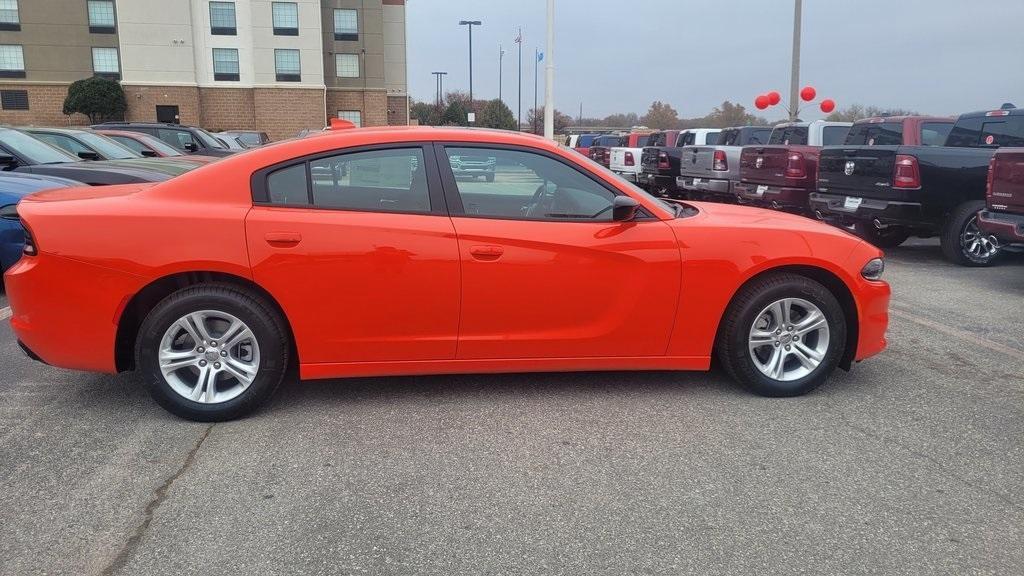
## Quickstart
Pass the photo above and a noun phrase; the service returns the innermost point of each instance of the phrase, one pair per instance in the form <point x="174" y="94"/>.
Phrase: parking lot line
<point x="5" y="313"/>
<point x="957" y="333"/>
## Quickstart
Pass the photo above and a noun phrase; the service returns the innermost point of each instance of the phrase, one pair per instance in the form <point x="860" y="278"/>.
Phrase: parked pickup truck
<point x="1002" y="220"/>
<point x="659" y="163"/>
<point x="711" y="172"/>
<point x="601" y="148"/>
<point x="582" y="143"/>
<point x="893" y="192"/>
<point x="781" y="175"/>
<point x="625" y="159"/>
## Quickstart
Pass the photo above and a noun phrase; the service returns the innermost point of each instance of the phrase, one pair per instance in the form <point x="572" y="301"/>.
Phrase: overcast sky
<point x="933" y="56"/>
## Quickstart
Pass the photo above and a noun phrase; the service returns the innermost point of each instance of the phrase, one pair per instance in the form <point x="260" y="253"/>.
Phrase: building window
<point x="346" y="25"/>
<point x="9" y="19"/>
<point x="14" y="99"/>
<point x="101" y="17"/>
<point x="222" y="19"/>
<point x="286" y="65"/>
<point x="104" y="63"/>
<point x="347" y="65"/>
<point x="12" y="61"/>
<point x="286" y="18"/>
<point x="353" y="116"/>
<point x="225" y="64"/>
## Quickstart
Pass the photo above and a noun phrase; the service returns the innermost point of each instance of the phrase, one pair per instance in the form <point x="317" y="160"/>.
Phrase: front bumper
<point x="1006" y="226"/>
<point x="779" y="197"/>
<point x="849" y="209"/>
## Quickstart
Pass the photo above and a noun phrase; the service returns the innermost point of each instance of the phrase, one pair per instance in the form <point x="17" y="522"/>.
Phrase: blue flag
<point x="540" y="56"/>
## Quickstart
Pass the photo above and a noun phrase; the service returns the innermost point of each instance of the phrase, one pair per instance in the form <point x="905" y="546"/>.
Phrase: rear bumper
<point x="1006" y="226"/>
<point x="666" y="181"/>
<point x="629" y="176"/>
<point x="65" y="312"/>
<point x="833" y="207"/>
<point x="708" y="185"/>
<point x="773" y="196"/>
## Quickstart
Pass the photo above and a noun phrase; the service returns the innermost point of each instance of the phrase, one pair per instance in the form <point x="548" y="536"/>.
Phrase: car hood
<point x="748" y="217"/>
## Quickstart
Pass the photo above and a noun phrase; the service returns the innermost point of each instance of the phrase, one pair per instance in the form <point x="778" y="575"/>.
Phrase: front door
<point x="357" y="248"/>
<point x="546" y="273"/>
<point x="167" y="114"/>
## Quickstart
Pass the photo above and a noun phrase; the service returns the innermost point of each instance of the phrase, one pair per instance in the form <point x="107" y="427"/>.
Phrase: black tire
<point x="952" y="239"/>
<point x="732" y="346"/>
<point x="884" y="238"/>
<point x="262" y="319"/>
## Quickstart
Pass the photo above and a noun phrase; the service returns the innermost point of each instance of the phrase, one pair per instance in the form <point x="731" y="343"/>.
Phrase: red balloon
<point x="828" y="105"/>
<point x="761" y="102"/>
<point x="774" y="97"/>
<point x="808" y="93"/>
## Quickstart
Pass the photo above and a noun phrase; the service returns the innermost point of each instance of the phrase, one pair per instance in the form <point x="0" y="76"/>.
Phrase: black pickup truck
<point x="889" y="193"/>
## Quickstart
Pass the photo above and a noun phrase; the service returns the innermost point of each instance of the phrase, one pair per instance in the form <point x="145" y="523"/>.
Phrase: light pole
<point x="501" y="56"/>
<point x="549" y="76"/>
<point x="794" y="79"/>
<point x="470" y="24"/>
<point x="439" y="78"/>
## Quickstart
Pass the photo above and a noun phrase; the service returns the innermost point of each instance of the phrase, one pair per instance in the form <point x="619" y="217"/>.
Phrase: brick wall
<point x="227" y="109"/>
<point x="284" y="112"/>
<point x="398" y="110"/>
<point x="143" y="100"/>
<point x="373" y="104"/>
<point x="45" y="107"/>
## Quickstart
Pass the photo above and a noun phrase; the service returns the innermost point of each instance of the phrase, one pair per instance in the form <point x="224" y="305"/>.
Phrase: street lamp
<point x="470" y="24"/>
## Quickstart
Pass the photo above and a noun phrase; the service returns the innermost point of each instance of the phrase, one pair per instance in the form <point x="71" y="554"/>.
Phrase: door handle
<point x="486" y="252"/>
<point x="283" y="239"/>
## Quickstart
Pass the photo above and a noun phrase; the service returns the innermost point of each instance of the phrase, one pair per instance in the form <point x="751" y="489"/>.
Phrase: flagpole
<point x="549" y="76"/>
<point x="536" y="65"/>
<point x="501" y="56"/>
<point x="519" y="40"/>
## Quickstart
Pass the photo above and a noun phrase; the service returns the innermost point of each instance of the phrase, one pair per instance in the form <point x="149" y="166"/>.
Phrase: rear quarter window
<point x="834" y="135"/>
<point x="877" y="134"/>
<point x="935" y="133"/>
<point x="712" y="138"/>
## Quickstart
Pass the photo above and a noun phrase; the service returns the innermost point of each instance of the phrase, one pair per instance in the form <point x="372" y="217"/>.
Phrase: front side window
<point x="9" y="19"/>
<point x="222" y="19"/>
<point x="353" y="116"/>
<point x="62" y="141"/>
<point x="180" y="139"/>
<point x="287" y="65"/>
<point x="101" y="16"/>
<point x="346" y="25"/>
<point x="225" y="64"/>
<point x="12" y="61"/>
<point x="286" y="18"/>
<point x="104" y="62"/>
<point x="512" y="184"/>
<point x="347" y="65"/>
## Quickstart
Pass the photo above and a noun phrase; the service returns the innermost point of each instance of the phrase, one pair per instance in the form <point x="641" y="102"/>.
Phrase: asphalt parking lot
<point x="910" y="464"/>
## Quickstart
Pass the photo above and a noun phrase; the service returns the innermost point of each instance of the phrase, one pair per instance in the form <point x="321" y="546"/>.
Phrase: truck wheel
<point x="963" y="242"/>
<point x="489" y="177"/>
<point x="212" y="352"/>
<point x="884" y="238"/>
<point x="782" y="335"/>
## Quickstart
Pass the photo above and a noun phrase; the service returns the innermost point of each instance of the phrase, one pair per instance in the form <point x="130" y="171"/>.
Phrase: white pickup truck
<point x="625" y="160"/>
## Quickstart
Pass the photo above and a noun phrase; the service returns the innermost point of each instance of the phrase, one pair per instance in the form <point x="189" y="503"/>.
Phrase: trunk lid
<point x="856" y="168"/>
<point x="86" y="193"/>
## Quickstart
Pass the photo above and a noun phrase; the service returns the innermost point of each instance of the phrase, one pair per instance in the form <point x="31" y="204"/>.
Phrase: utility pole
<point x="794" y="79"/>
<point x="501" y="56"/>
<point x="470" y="24"/>
<point x="438" y="77"/>
<point x="519" y="120"/>
<point x="549" y="76"/>
<point x="536" y="66"/>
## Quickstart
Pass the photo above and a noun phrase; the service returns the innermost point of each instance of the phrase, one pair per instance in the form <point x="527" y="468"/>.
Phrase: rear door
<point x="546" y="273"/>
<point x="357" y="247"/>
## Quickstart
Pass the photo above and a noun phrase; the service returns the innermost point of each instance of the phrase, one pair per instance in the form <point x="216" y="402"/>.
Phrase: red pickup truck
<point x="1002" y="219"/>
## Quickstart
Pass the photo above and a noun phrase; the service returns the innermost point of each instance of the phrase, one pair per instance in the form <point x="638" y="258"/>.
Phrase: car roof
<point x="1008" y="112"/>
<point x="903" y="118"/>
<point x="143" y="124"/>
<point x="68" y="131"/>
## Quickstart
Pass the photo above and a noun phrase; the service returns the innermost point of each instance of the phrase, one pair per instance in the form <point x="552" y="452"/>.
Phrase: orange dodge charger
<point x="389" y="251"/>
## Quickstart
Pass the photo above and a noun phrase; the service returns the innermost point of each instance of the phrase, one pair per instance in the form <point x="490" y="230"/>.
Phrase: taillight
<point x="629" y="159"/>
<point x="795" y="166"/>
<point x="720" y="164"/>
<point x="906" y="173"/>
<point x="607" y="156"/>
<point x="30" y="244"/>
<point x="991" y="176"/>
<point x="663" y="163"/>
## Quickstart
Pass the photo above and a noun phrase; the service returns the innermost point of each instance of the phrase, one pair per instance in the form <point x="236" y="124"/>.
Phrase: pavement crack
<point x="159" y="495"/>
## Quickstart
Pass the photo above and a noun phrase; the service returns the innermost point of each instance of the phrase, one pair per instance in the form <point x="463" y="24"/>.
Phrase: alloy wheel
<point x="789" y="339"/>
<point x="977" y="245"/>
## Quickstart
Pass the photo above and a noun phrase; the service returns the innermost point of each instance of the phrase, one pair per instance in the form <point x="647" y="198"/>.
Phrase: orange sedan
<point x="379" y="251"/>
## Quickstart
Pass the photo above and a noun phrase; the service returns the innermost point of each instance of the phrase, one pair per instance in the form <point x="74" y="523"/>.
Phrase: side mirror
<point x="624" y="208"/>
<point x="88" y="155"/>
<point x="148" y="153"/>
<point x="191" y="147"/>
<point x="8" y="161"/>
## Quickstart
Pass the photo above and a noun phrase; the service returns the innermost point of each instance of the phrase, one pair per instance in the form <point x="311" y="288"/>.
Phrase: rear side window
<point x="935" y="133"/>
<point x="712" y="138"/>
<point x="796" y="135"/>
<point x="289" y="186"/>
<point x="834" y="135"/>
<point x="374" y="181"/>
<point x="686" y="139"/>
<point x="729" y="137"/>
<point x="657" y="139"/>
<point x="878" y="134"/>
<point x="987" y="132"/>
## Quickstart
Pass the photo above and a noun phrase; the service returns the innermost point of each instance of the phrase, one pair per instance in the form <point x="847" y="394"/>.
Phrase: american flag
<point x="519" y="38"/>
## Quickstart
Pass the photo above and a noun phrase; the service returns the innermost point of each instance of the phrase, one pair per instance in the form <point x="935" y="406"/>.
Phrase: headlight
<point x="873" y="269"/>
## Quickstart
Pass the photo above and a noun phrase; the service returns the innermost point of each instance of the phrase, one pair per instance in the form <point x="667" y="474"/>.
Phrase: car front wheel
<point x="782" y="335"/>
<point x="212" y="352"/>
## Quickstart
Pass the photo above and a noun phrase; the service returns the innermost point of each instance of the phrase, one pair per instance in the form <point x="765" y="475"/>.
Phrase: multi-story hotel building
<point x="279" y="67"/>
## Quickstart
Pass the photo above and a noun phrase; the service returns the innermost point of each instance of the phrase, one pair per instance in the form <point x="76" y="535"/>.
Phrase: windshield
<point x="209" y="140"/>
<point x="33" y="150"/>
<point x="106" y="147"/>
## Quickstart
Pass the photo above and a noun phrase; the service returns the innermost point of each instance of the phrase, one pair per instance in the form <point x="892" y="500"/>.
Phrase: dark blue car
<point x="13" y="187"/>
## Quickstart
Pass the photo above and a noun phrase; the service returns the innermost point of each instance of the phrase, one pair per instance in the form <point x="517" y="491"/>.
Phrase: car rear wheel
<point x="884" y="238"/>
<point x="782" y="335"/>
<point x="212" y="352"/>
<point x="963" y="242"/>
